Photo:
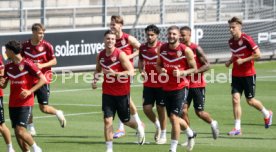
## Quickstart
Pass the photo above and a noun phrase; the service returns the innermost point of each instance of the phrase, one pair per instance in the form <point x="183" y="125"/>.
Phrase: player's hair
<point x="117" y="19"/>
<point x="14" y="46"/>
<point x="152" y="28"/>
<point x="173" y="27"/>
<point x="235" y="19"/>
<point x="109" y="32"/>
<point x="38" y="26"/>
<point x="186" y="28"/>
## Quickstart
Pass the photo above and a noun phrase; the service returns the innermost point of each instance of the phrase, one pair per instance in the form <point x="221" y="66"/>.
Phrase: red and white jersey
<point x="174" y="59"/>
<point x="149" y="57"/>
<point x="2" y="66"/>
<point x="21" y="76"/>
<point x="123" y="44"/>
<point x="41" y="53"/>
<point x="243" y="48"/>
<point x="196" y="80"/>
<point x="116" y="86"/>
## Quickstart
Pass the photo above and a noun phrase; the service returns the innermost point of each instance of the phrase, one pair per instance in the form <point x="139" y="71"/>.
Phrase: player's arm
<point x="50" y="63"/>
<point x="96" y="74"/>
<point x="141" y="62"/>
<point x="203" y="59"/>
<point x="3" y="80"/>
<point x="135" y="44"/>
<point x="229" y="62"/>
<point x="41" y="81"/>
<point x="126" y="64"/>
<point x="256" y="55"/>
<point x="191" y="61"/>
<point x="159" y="65"/>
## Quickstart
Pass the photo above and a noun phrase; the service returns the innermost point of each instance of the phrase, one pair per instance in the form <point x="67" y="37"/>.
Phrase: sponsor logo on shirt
<point x="18" y="82"/>
<point x="40" y="49"/>
<point x="123" y="42"/>
<point x="21" y="67"/>
<point x="113" y="59"/>
<point x="240" y="42"/>
<point x="179" y="53"/>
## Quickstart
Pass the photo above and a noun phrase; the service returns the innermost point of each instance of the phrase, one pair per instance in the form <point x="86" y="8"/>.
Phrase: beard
<point x="172" y="41"/>
<point x="151" y="42"/>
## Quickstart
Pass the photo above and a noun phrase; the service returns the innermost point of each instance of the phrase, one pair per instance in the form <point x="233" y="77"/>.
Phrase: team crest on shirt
<point x="21" y="67"/>
<point x="113" y="59"/>
<point x="179" y="53"/>
<point x="40" y="48"/>
<point x="240" y="42"/>
<point x="123" y="42"/>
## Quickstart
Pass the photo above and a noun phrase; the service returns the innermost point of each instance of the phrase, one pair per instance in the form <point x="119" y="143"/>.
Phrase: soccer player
<point x="152" y="91"/>
<point x="21" y="74"/>
<point x="244" y="52"/>
<point x="128" y="44"/>
<point x="42" y="54"/>
<point x="175" y="61"/>
<point x="117" y="70"/>
<point x="197" y="83"/>
<point x="4" y="130"/>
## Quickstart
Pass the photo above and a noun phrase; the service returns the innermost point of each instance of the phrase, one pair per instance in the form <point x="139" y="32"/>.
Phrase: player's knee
<point x="20" y="130"/>
<point x="108" y="121"/>
<point x="173" y="117"/>
<point x="236" y="100"/>
<point x="43" y="108"/>
<point x="250" y="101"/>
<point x="199" y="113"/>
<point x="147" y="108"/>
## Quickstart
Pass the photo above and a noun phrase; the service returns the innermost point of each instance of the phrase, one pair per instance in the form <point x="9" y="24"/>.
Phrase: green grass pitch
<point x="84" y="131"/>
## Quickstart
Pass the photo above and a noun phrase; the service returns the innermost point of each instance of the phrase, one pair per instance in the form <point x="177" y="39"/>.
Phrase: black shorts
<point x="43" y="94"/>
<point x="120" y="104"/>
<point x="174" y="101"/>
<point x="246" y="84"/>
<point x="150" y="95"/>
<point x="198" y="96"/>
<point x="20" y="116"/>
<point x="2" y="115"/>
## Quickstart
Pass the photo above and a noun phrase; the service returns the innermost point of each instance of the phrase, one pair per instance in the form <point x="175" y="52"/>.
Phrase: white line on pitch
<point x="72" y="114"/>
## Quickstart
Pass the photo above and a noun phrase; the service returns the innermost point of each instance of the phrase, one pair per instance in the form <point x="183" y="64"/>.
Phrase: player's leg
<point x="161" y="110"/>
<point x="43" y="95"/>
<point x="199" y="102"/>
<point x="249" y="92"/>
<point x="108" y="133"/>
<point x="185" y="115"/>
<point x="123" y="109"/>
<point x="237" y="89"/>
<point x="174" y="101"/>
<point x="133" y="110"/>
<point x="19" y="117"/>
<point x="4" y="130"/>
<point x="186" y="106"/>
<point x="109" y="110"/>
<point x="148" y="104"/>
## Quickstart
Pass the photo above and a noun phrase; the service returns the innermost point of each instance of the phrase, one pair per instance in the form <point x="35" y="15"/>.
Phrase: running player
<point x="152" y="91"/>
<point x="197" y="83"/>
<point x="117" y="68"/>
<point x="4" y="130"/>
<point x="21" y="74"/>
<point x="130" y="45"/>
<point x="42" y="54"/>
<point x="244" y="52"/>
<point x="175" y="61"/>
